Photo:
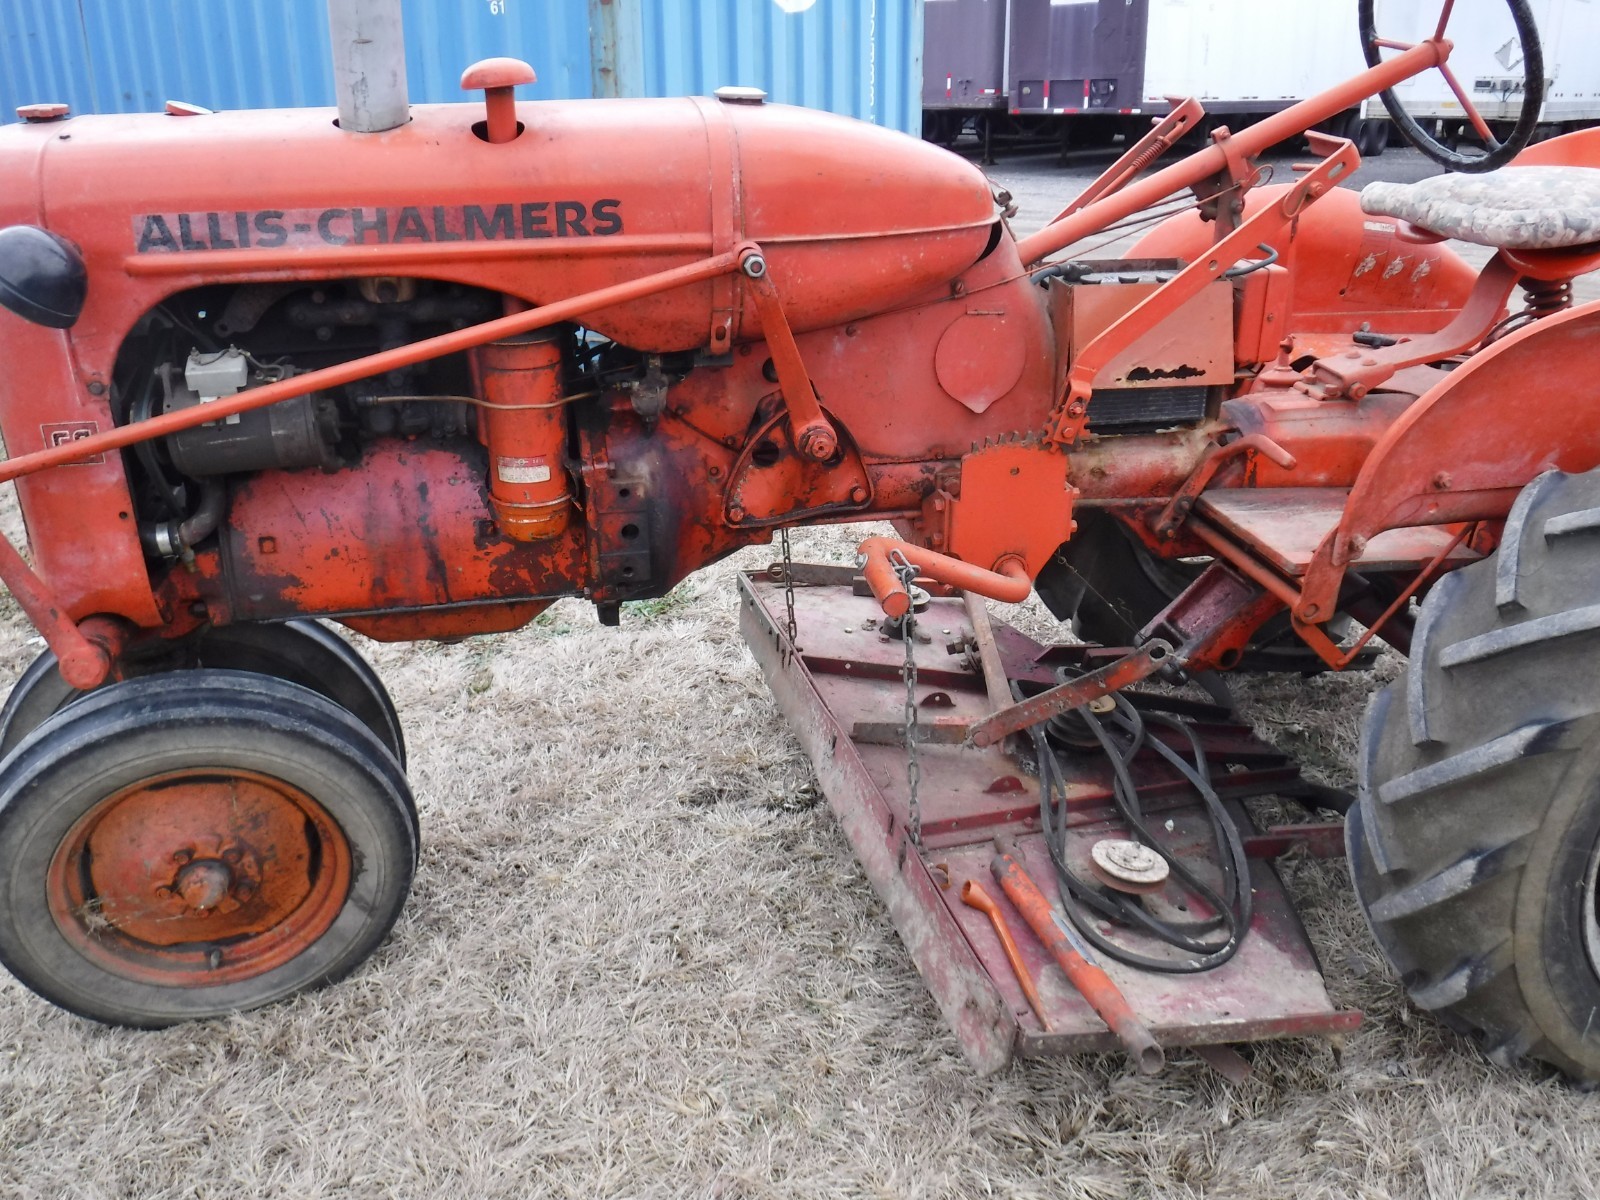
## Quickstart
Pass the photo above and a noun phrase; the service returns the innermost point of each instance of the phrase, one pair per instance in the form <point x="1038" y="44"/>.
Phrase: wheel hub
<point x="219" y="881"/>
<point x="204" y="884"/>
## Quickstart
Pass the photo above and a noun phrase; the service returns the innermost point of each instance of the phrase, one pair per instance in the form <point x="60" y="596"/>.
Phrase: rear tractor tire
<point x="1475" y="846"/>
<point x="198" y="843"/>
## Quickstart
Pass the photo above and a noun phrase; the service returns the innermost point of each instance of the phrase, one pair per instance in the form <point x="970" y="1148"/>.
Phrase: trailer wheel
<point x="302" y="652"/>
<point x="194" y="844"/>
<point x="1476" y="843"/>
<point x="1373" y="138"/>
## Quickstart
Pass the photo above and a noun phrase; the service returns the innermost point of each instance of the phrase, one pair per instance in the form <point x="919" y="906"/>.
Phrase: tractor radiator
<point x="1124" y="410"/>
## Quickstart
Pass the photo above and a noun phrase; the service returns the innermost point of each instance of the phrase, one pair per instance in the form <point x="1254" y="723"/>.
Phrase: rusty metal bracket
<point x="1177" y="509"/>
<point x="1138" y="664"/>
<point x="1343" y="658"/>
<point x="1070" y="414"/>
<point x="814" y="435"/>
<point x="1233" y="180"/>
<point x="1142" y="663"/>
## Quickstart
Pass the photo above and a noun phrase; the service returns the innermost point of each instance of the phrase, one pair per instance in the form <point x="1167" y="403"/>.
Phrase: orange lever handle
<point x="1009" y="582"/>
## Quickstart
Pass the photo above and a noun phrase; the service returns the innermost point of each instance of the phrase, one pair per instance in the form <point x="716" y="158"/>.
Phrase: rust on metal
<point x="1139" y="664"/>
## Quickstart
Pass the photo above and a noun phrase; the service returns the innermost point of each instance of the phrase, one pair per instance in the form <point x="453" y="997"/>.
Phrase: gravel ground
<point x="640" y="960"/>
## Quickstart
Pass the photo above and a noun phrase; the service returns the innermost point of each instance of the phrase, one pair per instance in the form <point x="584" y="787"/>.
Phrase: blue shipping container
<point x="859" y="57"/>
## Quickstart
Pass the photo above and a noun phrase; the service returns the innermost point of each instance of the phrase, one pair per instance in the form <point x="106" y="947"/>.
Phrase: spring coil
<point x="1545" y="298"/>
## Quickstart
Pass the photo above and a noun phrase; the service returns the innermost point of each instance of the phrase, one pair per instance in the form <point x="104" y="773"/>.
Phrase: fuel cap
<point x="740" y="95"/>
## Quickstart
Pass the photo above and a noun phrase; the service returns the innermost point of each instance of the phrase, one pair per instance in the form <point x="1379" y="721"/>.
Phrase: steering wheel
<point x="1497" y="153"/>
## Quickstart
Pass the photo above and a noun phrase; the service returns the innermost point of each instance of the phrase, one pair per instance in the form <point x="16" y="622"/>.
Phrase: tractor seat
<point x="1514" y="208"/>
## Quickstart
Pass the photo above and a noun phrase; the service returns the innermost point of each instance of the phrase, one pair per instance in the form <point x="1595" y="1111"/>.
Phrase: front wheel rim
<point x="199" y="878"/>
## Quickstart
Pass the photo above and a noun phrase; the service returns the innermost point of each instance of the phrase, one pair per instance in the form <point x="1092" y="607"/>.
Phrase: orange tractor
<point x="263" y="367"/>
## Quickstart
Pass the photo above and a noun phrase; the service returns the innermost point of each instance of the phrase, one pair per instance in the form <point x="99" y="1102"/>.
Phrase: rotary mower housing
<point x="263" y="368"/>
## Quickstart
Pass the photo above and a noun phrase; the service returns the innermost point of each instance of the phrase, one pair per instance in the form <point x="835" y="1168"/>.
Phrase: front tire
<point x="190" y="845"/>
<point x="302" y="652"/>
<point x="1475" y="846"/>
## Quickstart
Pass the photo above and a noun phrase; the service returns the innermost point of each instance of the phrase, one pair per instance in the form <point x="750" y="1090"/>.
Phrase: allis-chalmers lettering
<point x="272" y="228"/>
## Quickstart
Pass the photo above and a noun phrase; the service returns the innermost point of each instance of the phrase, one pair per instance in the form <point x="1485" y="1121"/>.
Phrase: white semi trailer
<point x="1085" y="70"/>
<point x="1488" y="62"/>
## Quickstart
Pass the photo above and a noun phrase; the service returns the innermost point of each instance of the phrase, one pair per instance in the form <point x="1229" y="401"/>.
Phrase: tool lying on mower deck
<point x="973" y="896"/>
<point x="1073" y="957"/>
<point x="425" y="370"/>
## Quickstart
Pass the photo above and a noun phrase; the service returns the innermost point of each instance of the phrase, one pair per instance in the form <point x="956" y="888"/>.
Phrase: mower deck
<point x="843" y="692"/>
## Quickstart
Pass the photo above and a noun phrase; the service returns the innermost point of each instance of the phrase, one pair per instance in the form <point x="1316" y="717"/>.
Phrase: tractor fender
<point x="1529" y="403"/>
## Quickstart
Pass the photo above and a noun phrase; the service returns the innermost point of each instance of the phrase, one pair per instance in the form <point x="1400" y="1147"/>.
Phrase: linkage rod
<point x="1213" y="159"/>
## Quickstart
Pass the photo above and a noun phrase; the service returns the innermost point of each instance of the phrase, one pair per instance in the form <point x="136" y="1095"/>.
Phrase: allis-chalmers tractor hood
<point x="588" y="194"/>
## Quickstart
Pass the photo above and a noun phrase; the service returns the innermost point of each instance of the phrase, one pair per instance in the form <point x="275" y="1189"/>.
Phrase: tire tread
<point x="1501" y="698"/>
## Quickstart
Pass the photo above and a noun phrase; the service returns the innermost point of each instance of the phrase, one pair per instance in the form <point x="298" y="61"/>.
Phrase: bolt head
<point x="818" y="444"/>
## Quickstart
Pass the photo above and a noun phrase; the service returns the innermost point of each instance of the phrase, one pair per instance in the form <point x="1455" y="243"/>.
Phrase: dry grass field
<point x="640" y="960"/>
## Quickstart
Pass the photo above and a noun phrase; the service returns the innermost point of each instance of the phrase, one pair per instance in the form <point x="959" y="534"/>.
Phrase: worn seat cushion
<point x="1514" y="208"/>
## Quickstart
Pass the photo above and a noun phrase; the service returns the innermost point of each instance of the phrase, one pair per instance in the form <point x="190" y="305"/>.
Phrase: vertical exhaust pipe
<point x="369" y="64"/>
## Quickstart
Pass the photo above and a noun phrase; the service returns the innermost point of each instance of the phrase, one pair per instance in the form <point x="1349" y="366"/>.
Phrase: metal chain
<point x="908" y="672"/>
<point x="788" y="587"/>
